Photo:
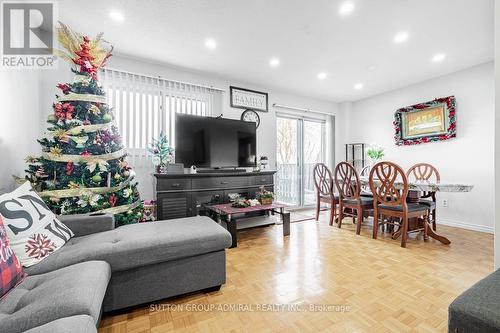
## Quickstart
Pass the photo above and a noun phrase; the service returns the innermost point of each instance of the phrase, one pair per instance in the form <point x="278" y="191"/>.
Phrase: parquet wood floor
<point x="386" y="288"/>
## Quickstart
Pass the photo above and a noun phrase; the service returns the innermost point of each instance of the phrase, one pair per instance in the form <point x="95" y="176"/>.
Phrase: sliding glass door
<point x="300" y="145"/>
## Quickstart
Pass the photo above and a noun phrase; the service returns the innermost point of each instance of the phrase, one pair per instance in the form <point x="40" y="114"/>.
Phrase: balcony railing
<point x="288" y="180"/>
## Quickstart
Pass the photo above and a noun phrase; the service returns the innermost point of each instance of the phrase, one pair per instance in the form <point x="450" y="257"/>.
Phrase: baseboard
<point x="463" y="225"/>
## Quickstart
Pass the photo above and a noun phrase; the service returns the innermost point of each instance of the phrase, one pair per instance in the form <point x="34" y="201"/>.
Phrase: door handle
<point x="224" y="183"/>
<point x="176" y="185"/>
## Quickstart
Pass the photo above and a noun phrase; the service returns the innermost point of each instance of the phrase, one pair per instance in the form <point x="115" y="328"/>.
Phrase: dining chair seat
<point x="365" y="201"/>
<point x="428" y="203"/>
<point x="412" y="207"/>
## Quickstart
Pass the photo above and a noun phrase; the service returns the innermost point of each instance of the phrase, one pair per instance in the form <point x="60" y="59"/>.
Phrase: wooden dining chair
<point x="390" y="200"/>
<point x="323" y="182"/>
<point x="426" y="172"/>
<point x="349" y="187"/>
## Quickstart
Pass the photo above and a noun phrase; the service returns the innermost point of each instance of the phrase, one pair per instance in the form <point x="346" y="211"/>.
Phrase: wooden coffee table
<point x="231" y="214"/>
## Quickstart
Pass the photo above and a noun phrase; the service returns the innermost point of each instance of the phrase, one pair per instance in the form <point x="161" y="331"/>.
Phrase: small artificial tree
<point x="82" y="168"/>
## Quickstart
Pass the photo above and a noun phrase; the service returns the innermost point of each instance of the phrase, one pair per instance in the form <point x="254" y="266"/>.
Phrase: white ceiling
<point x="308" y="36"/>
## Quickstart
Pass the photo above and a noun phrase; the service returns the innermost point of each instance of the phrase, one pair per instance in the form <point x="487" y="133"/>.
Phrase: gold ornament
<point x="94" y="110"/>
<point x="56" y="151"/>
<point x="31" y="159"/>
<point x="80" y="140"/>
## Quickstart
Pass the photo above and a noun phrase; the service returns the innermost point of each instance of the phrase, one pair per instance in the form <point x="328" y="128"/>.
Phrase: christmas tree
<point x="82" y="168"/>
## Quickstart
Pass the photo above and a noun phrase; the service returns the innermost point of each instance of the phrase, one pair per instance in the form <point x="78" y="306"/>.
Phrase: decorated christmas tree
<point x="82" y="168"/>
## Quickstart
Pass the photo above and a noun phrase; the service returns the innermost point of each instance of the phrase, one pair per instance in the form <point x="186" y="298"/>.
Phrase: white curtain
<point x="145" y="106"/>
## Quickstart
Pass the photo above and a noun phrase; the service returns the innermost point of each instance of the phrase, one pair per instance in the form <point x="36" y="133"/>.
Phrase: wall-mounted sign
<point x="248" y="99"/>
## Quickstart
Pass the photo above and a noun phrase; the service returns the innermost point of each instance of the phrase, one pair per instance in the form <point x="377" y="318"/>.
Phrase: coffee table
<point x="232" y="214"/>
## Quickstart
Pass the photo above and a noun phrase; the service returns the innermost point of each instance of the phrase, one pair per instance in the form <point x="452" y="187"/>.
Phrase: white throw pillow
<point x="34" y="231"/>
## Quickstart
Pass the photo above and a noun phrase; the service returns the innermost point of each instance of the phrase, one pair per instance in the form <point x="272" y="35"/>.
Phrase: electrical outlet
<point x="445" y="202"/>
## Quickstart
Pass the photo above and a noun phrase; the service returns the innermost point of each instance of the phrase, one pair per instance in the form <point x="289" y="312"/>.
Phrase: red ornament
<point x="112" y="200"/>
<point x="64" y="88"/>
<point x="64" y="111"/>
<point x="85" y="153"/>
<point x="69" y="168"/>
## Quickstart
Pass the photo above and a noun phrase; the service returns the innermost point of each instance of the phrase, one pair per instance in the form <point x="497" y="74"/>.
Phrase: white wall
<point x="19" y="122"/>
<point x="266" y="133"/>
<point x="497" y="134"/>
<point x="467" y="159"/>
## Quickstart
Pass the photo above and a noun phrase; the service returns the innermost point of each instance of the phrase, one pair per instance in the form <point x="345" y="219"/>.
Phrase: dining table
<point x="415" y="190"/>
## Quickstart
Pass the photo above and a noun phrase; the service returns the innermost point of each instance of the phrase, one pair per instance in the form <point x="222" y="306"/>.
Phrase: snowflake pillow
<point x="33" y="230"/>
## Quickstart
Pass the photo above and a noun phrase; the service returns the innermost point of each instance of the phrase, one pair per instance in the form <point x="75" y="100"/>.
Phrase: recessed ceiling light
<point x="401" y="37"/>
<point x="274" y="62"/>
<point x="322" y="75"/>
<point x="346" y="8"/>
<point x="372" y="68"/>
<point x="210" y="43"/>
<point x="116" y="16"/>
<point x="438" y="57"/>
<point x="358" y="86"/>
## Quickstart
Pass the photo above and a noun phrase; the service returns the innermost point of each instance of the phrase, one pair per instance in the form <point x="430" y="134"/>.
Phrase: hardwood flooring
<point x="381" y="286"/>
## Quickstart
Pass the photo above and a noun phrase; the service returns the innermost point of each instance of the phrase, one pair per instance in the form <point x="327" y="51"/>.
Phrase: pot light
<point x="274" y="62"/>
<point x="372" y="68"/>
<point x="438" y="57"/>
<point x="358" y="86"/>
<point x="346" y="8"/>
<point x="322" y="76"/>
<point x="210" y="44"/>
<point x="117" y="16"/>
<point x="401" y="37"/>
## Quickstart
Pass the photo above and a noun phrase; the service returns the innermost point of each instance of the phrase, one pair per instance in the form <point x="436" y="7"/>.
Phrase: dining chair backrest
<point x="323" y="180"/>
<point x="383" y="178"/>
<point x="424" y="172"/>
<point x="347" y="181"/>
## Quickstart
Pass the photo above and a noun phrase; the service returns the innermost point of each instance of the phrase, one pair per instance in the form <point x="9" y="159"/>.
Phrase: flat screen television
<point x="214" y="142"/>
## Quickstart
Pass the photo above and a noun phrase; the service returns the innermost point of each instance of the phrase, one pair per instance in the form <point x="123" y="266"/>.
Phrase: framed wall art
<point x="426" y="122"/>
<point x="248" y="99"/>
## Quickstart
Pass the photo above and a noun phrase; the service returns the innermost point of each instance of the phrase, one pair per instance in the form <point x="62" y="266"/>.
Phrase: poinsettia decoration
<point x="449" y="104"/>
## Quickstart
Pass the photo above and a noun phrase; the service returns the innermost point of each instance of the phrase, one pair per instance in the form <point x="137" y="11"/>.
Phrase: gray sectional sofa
<point x="106" y="269"/>
<point x="478" y="308"/>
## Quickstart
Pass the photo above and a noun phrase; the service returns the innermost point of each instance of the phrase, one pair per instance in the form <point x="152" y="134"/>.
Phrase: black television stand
<point x="221" y="170"/>
<point x="182" y="195"/>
